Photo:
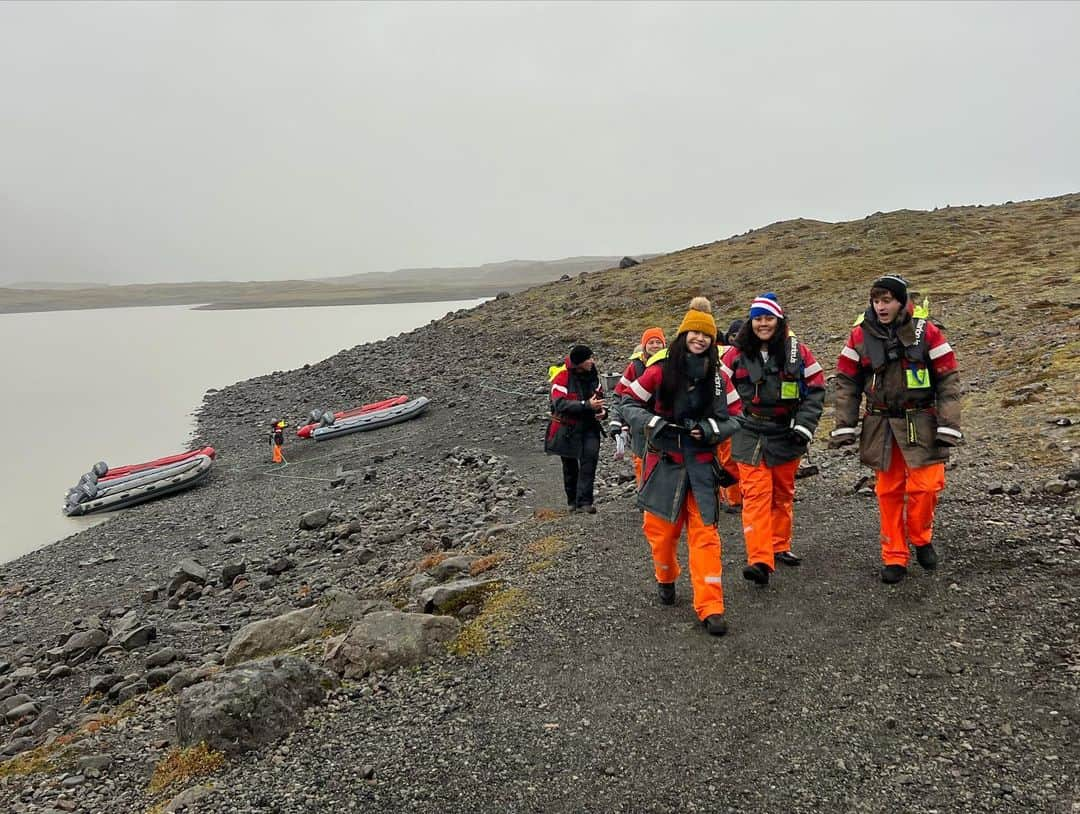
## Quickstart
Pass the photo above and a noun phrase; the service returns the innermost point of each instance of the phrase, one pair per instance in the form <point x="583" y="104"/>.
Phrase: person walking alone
<point x="778" y="395"/>
<point x="577" y="408"/>
<point x="908" y="372"/>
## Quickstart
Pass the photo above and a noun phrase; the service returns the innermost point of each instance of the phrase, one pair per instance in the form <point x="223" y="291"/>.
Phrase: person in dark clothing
<point x="577" y="409"/>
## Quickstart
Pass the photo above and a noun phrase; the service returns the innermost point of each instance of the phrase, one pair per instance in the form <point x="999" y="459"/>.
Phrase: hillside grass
<point x="1004" y="280"/>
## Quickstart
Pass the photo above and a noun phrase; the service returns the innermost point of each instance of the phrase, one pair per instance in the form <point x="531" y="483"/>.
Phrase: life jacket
<point x="792" y="376"/>
<point x="659" y="356"/>
<point x="914" y="359"/>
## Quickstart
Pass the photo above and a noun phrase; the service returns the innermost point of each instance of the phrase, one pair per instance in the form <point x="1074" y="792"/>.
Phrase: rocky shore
<point x="409" y="620"/>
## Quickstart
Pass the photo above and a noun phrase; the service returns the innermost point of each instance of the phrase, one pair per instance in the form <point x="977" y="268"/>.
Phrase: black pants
<point x="579" y="474"/>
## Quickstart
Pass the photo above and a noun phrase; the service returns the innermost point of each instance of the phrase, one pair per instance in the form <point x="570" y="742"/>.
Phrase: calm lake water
<point x="120" y="385"/>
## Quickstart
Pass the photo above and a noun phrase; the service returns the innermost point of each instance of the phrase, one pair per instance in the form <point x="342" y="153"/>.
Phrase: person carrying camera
<point x="675" y="407"/>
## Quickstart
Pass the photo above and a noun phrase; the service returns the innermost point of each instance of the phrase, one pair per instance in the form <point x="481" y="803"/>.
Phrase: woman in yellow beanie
<point x="675" y="407"/>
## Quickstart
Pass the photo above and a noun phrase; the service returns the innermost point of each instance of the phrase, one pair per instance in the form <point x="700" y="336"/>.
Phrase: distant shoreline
<point x="19" y="301"/>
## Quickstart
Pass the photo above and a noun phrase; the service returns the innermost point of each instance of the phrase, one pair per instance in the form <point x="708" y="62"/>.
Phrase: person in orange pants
<point x="674" y="405"/>
<point x="277" y="440"/>
<point x="907" y="370"/>
<point x="778" y="392"/>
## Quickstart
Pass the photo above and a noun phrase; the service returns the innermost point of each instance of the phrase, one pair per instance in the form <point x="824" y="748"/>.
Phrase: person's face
<point x="886" y="306"/>
<point x="697" y="342"/>
<point x="653" y="345"/>
<point x="764" y="327"/>
<point x="588" y="364"/>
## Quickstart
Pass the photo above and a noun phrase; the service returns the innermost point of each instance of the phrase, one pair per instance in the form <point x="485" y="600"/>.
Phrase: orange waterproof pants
<point x="919" y="488"/>
<point x="276" y="456"/>
<point x="732" y="495"/>
<point x="637" y="469"/>
<point x="768" y="494"/>
<point x="704" y="545"/>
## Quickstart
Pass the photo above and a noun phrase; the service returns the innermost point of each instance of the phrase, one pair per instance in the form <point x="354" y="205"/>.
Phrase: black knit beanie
<point x="579" y="353"/>
<point x="894" y="284"/>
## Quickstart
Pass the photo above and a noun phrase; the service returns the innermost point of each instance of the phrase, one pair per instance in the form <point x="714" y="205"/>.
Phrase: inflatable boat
<point x="104" y="489"/>
<point x="324" y="418"/>
<point x="372" y="419"/>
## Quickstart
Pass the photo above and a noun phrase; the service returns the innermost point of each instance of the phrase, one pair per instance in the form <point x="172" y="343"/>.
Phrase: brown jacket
<point x="912" y="386"/>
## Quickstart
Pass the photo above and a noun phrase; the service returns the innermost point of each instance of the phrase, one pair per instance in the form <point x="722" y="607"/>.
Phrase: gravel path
<point x="954" y="691"/>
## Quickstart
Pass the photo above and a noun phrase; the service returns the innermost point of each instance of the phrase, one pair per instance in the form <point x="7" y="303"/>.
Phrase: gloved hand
<point x="620" y="446"/>
<point x="614" y="428"/>
<point x="708" y="437"/>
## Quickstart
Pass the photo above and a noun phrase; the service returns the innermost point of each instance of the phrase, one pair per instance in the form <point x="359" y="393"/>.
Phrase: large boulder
<point x="334" y="611"/>
<point x="250" y="705"/>
<point x="387" y="640"/>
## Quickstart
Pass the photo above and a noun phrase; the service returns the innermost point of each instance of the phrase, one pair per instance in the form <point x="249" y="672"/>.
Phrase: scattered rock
<point x="280" y="566"/>
<point x="452" y="595"/>
<point x="187" y="571"/>
<point x="315" y="519"/>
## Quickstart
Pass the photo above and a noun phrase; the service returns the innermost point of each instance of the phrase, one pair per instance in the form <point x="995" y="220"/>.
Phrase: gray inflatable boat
<point x="372" y="420"/>
<point x="91" y="495"/>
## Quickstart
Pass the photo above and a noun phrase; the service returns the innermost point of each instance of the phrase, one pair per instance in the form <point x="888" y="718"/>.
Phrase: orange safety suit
<point x="703" y="543"/>
<point x="919" y="488"/>
<point x="768" y="495"/>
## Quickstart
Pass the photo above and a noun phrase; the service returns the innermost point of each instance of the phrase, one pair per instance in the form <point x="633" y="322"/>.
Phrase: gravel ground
<point x="954" y="691"/>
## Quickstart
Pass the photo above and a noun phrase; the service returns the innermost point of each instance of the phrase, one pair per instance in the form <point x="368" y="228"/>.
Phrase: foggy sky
<point x="155" y="141"/>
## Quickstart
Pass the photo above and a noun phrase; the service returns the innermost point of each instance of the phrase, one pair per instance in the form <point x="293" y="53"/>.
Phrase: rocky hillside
<point x="409" y="620"/>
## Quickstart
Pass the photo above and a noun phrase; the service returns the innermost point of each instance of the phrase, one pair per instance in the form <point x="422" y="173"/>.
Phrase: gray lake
<point x="121" y="384"/>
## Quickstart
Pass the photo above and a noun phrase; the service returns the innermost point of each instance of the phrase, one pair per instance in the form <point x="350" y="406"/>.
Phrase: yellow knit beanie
<point x="699" y="318"/>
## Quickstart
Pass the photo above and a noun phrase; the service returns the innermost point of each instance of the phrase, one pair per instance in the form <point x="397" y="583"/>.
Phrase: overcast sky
<point x="158" y="141"/>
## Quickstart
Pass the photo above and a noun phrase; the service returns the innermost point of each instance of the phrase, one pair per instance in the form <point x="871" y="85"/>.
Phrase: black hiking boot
<point x="666" y="592"/>
<point x="716" y="624"/>
<point x="757" y="572"/>
<point x="892" y="574"/>
<point x="926" y="556"/>
<point x="587" y="508"/>
<point x="788" y="559"/>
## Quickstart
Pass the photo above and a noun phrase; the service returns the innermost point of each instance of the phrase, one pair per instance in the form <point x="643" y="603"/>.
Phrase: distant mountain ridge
<point x="403" y="285"/>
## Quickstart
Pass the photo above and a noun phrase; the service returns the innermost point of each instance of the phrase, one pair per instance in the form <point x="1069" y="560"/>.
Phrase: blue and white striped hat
<point x="766" y="306"/>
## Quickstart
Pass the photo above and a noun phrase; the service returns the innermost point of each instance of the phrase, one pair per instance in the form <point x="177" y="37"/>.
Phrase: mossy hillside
<point x="1004" y="280"/>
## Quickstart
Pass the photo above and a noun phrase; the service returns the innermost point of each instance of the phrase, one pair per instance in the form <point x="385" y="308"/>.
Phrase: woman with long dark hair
<point x="675" y="406"/>
<point x="779" y="393"/>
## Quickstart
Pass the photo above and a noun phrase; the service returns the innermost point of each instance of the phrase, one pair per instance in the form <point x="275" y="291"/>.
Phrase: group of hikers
<point x="720" y="423"/>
